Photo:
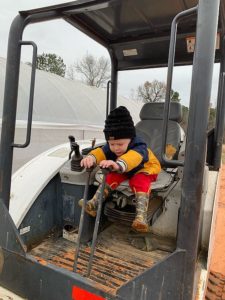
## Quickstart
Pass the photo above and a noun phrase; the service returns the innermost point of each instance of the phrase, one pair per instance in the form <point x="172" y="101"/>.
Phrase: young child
<point x="129" y="158"/>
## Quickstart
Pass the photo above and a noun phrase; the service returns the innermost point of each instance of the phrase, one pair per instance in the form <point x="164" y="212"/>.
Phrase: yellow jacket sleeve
<point x="130" y="160"/>
<point x="98" y="154"/>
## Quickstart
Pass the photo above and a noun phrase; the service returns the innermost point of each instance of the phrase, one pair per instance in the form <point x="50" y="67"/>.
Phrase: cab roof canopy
<point x="137" y="32"/>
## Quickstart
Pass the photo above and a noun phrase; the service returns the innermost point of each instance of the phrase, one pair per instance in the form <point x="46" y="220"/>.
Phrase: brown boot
<point x="92" y="205"/>
<point x="140" y="222"/>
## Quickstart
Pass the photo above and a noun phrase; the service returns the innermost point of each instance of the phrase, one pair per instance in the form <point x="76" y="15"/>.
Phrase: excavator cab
<point x="38" y="209"/>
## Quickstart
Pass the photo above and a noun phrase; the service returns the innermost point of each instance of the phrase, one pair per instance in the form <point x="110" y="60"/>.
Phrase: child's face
<point x="119" y="147"/>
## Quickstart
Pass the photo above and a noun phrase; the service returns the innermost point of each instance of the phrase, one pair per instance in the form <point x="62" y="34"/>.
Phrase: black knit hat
<point x="119" y="125"/>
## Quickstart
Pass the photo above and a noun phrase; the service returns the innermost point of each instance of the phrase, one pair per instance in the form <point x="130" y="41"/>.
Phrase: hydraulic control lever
<point x="81" y="224"/>
<point x="97" y="220"/>
<point x="105" y="171"/>
<point x="76" y="157"/>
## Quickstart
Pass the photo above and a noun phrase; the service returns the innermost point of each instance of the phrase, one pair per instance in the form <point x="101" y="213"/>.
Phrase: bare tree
<point x="94" y="71"/>
<point x="154" y="91"/>
<point x="70" y="72"/>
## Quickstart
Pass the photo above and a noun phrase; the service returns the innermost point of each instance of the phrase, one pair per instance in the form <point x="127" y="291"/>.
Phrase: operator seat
<point x="150" y="128"/>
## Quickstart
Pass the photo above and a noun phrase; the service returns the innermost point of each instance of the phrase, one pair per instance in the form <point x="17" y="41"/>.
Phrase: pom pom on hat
<point x="119" y="124"/>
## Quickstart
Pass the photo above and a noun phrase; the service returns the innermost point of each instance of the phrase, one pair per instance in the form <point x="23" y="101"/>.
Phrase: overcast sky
<point x="64" y="40"/>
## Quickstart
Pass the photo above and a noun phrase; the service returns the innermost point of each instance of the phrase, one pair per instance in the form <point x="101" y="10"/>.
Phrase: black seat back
<point x="150" y="126"/>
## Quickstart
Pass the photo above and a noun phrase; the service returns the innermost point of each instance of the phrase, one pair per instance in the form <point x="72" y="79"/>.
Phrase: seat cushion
<point x="164" y="179"/>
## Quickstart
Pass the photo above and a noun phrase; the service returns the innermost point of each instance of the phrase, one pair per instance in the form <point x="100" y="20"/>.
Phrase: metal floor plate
<point x="115" y="260"/>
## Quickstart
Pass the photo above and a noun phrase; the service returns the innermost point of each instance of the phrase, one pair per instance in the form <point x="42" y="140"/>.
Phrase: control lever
<point x="76" y="157"/>
<point x="105" y="171"/>
<point x="86" y="189"/>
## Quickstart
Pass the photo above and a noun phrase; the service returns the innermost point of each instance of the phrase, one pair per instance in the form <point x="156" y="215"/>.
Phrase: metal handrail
<point x="31" y="97"/>
<point x="171" y="58"/>
<point x="107" y="99"/>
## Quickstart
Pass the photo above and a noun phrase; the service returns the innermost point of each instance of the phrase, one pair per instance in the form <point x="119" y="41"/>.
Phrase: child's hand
<point x="109" y="164"/>
<point x="87" y="162"/>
